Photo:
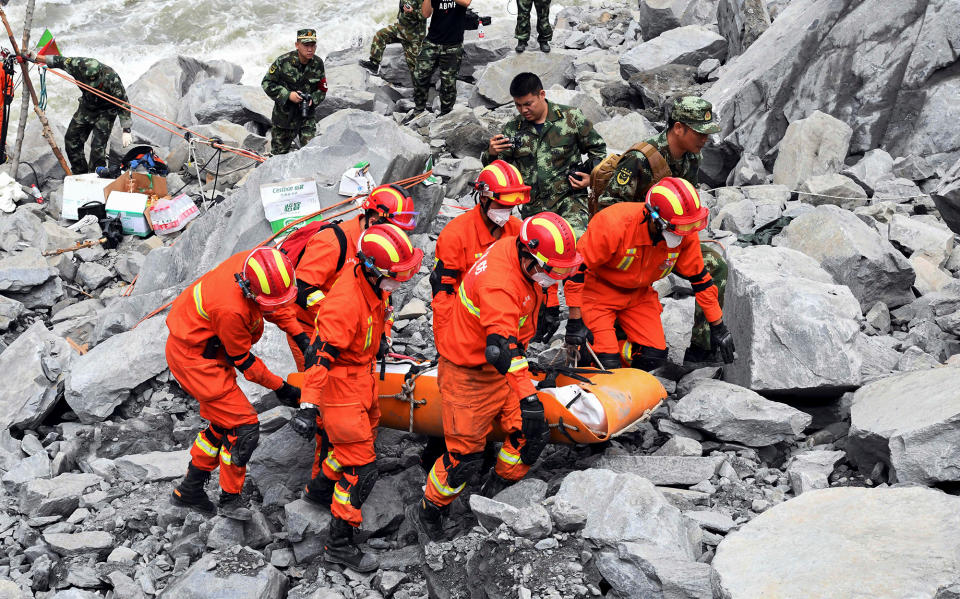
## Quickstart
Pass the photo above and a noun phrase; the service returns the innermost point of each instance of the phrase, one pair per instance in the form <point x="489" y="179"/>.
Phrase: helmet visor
<point x="512" y="198"/>
<point x="405" y="220"/>
<point x="688" y="228"/>
<point x="405" y="271"/>
<point x="560" y="272"/>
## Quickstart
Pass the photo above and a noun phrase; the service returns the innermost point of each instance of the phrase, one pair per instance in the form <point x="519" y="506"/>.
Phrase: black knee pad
<point x="468" y="464"/>
<point x="649" y="358"/>
<point x="248" y="436"/>
<point x="366" y="477"/>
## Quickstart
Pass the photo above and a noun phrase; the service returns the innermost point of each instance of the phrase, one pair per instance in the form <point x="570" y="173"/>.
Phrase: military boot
<point x="371" y="66"/>
<point x="428" y="520"/>
<point x="545" y="47"/>
<point x="231" y="506"/>
<point x="190" y="493"/>
<point x="319" y="491"/>
<point x="521" y="47"/>
<point x="341" y="549"/>
<point x="493" y="485"/>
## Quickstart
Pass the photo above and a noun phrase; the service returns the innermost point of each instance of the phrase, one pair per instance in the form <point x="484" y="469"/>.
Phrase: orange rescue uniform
<point x="460" y="244"/>
<point x="622" y="262"/>
<point x="343" y="385"/>
<point x="212" y="328"/>
<point x="495" y="298"/>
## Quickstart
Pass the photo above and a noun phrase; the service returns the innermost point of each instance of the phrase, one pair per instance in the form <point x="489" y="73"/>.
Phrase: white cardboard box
<point x="131" y="207"/>
<point x="80" y="189"/>
<point x="287" y="201"/>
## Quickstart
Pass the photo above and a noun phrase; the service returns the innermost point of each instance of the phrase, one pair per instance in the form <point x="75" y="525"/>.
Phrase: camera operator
<point x="443" y="49"/>
<point x="296" y="83"/>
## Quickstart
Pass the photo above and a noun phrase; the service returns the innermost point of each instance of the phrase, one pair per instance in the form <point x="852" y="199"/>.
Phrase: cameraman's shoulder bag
<point x="295" y="243"/>
<point x="603" y="172"/>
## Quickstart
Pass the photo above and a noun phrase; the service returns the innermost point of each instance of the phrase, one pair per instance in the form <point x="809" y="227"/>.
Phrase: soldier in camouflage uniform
<point x="713" y="261"/>
<point x="95" y="115"/>
<point x="689" y="126"/>
<point x="293" y="78"/>
<point x="544" y="30"/>
<point x="552" y="139"/>
<point x="443" y="49"/>
<point x="408" y="31"/>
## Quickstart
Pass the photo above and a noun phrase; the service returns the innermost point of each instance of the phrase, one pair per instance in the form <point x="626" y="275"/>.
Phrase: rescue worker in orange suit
<point x="498" y="189"/>
<point x="341" y="384"/>
<point x="213" y="324"/>
<point x="483" y="374"/>
<point x="625" y="249"/>
<point x="330" y="250"/>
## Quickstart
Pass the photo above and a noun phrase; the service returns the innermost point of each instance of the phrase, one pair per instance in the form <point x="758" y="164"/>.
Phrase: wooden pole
<point x="25" y="100"/>
<point x="28" y="84"/>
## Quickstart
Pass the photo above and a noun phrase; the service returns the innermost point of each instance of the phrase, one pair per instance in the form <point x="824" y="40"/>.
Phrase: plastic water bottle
<point x="35" y="192"/>
<point x="480" y="32"/>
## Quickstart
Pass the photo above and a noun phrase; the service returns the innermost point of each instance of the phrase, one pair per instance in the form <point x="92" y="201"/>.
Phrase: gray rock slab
<point x="58" y="495"/>
<point x="641" y="570"/>
<point x="896" y="190"/>
<point x="96" y="385"/>
<point x="277" y="462"/>
<point x="946" y="197"/>
<point x="305" y="519"/>
<point x="81" y="543"/>
<point x="742" y="22"/>
<point x="917" y="441"/>
<point x="33" y="365"/>
<point x="528" y="491"/>
<point x="913" y="167"/>
<point x="664" y="470"/>
<point x="24" y="270"/>
<point x="918" y="236"/>
<point x="626" y="507"/>
<point x="688" y="45"/>
<point x="875" y="166"/>
<point x="10" y="311"/>
<point x="492" y="513"/>
<point x="25" y="470"/>
<point x="914" y="535"/>
<point x="733" y="413"/>
<point x="680" y="447"/>
<point x="532" y="522"/>
<point x="812" y="469"/>
<point x="219" y="576"/>
<point x="832" y="188"/>
<point x="815" y="145"/>
<point x="712" y="520"/>
<point x="494" y="84"/>
<point x="566" y="516"/>
<point x="153" y="466"/>
<point x="383" y="508"/>
<point x="91" y="275"/>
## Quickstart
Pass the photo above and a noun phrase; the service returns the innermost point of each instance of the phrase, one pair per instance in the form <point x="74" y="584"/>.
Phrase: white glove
<point x="127" y="139"/>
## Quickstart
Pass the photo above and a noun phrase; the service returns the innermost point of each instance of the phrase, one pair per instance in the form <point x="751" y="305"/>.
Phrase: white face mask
<point x="543" y="279"/>
<point x="389" y="285"/>
<point x="672" y="239"/>
<point x="499" y="216"/>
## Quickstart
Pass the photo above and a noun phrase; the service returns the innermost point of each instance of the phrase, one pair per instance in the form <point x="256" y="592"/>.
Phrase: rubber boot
<point x="428" y="520"/>
<point x="319" y="491"/>
<point x="341" y="549"/>
<point x="231" y="506"/>
<point x="371" y="66"/>
<point x="521" y="47"/>
<point x="190" y="493"/>
<point x="493" y="485"/>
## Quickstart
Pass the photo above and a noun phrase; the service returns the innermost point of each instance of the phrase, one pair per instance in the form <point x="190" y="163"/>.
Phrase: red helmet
<point x="551" y="241"/>
<point x="387" y="249"/>
<point x="268" y="277"/>
<point x="502" y="182"/>
<point x="394" y="204"/>
<point x="676" y="204"/>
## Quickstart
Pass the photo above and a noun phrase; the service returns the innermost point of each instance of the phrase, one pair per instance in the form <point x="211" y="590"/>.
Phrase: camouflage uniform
<point x="432" y="56"/>
<point x="286" y="75"/>
<point x="634" y="176"/>
<point x="545" y="158"/>
<point x="408" y="31"/>
<point x="94" y="114"/>
<point x="715" y="264"/>
<point x="544" y="30"/>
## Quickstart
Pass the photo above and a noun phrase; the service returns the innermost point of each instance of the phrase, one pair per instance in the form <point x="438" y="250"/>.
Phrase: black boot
<point x="521" y="47"/>
<point x="428" y="519"/>
<point x="493" y="485"/>
<point x="340" y="549"/>
<point x="319" y="491"/>
<point x="371" y="66"/>
<point x="545" y="47"/>
<point x="190" y="492"/>
<point x="231" y="506"/>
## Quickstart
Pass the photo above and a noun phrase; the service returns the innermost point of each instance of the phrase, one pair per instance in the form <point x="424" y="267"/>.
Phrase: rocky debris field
<point x="822" y="463"/>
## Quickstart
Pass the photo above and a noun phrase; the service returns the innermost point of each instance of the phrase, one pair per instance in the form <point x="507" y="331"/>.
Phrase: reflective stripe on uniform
<point x="341" y="496"/>
<point x="627" y="260"/>
<point x="469" y="305"/>
<point x="523" y="320"/>
<point x="332" y="462"/>
<point x="198" y="302"/>
<point x="508" y="458"/>
<point x="369" y="338"/>
<point x="627" y="352"/>
<point x="517" y="363"/>
<point x="314" y="298"/>
<point x="205" y="446"/>
<point x="442" y="488"/>
<point x="671" y="260"/>
<point x="225" y="456"/>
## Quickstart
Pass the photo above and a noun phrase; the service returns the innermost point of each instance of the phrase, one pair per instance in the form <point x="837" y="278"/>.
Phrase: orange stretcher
<point x="577" y="412"/>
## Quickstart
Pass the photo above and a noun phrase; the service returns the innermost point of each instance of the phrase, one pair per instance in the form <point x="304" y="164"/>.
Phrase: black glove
<point x="303" y="342"/>
<point x="384" y="348"/>
<point x="547" y="323"/>
<point x="577" y="333"/>
<point x="305" y="421"/>
<point x="721" y="339"/>
<point x="534" y="427"/>
<point x="288" y="395"/>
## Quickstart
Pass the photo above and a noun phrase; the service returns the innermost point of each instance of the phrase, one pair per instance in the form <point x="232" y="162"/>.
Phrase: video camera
<point x="474" y="21"/>
<point x="584" y="167"/>
<point x="306" y="104"/>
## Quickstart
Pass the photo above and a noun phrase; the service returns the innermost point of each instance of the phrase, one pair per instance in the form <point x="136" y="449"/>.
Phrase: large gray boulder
<point x="552" y="68"/>
<point x="623" y="131"/>
<point x="640" y="570"/>
<point x="688" y="45"/>
<point x="742" y="22"/>
<point x="844" y="542"/>
<point x="732" y="413"/>
<point x="795" y="328"/>
<point x="854" y="253"/>
<point x="815" y="145"/>
<point x="58" y="495"/>
<point x="875" y="166"/>
<point x="947" y="197"/>
<point x="237" y="104"/>
<point x="103" y="378"/>
<point x="658" y="16"/>
<point x="883" y="58"/>
<point x="626" y="507"/>
<point x="24" y="270"/>
<point x="918" y="236"/>
<point x="911" y="424"/>
<point x="664" y="470"/>
<point x="281" y="463"/>
<point x="238" y="223"/>
<point x="244" y="575"/>
<point x="33" y="367"/>
<point x="833" y="188"/>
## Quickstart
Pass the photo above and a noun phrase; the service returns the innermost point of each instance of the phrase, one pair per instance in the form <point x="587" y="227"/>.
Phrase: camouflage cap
<point x="696" y="113"/>
<point x="91" y="68"/>
<point x="307" y="36"/>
